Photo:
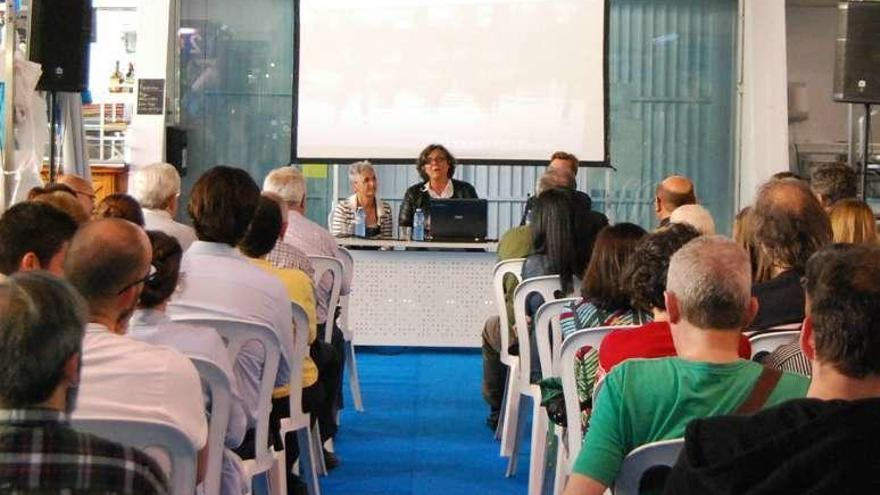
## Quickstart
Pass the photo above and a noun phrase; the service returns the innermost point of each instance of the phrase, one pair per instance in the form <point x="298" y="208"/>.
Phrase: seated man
<point x="674" y="191"/>
<point x="42" y="317"/>
<point x="563" y="164"/>
<point x="645" y="400"/>
<point x="83" y="190"/>
<point x="157" y="187"/>
<point x="825" y="443"/>
<point x="108" y="263"/>
<point x="832" y="182"/>
<point x="34" y="236"/>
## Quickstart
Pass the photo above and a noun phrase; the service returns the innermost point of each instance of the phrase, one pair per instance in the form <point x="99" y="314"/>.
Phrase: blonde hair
<point x="852" y="222"/>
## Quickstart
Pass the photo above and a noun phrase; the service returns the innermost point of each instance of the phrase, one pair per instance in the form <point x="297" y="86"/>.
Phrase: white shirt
<point x="217" y="281"/>
<point x="446" y="193"/>
<point x="161" y="220"/>
<point x="314" y="240"/>
<point x="123" y="378"/>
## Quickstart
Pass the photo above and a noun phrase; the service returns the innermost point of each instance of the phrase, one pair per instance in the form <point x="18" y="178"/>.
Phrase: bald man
<point x="674" y="191"/>
<point x="83" y="189"/>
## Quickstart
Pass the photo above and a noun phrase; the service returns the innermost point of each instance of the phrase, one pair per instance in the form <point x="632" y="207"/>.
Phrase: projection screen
<point x="496" y="81"/>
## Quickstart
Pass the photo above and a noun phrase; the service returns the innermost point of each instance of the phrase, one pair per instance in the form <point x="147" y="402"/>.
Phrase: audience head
<point x="434" y="162"/>
<point x="744" y="236"/>
<point x="288" y="183"/>
<point x="264" y="230"/>
<point x="67" y="203"/>
<point x="119" y="205"/>
<point x="42" y="321"/>
<point x="363" y="179"/>
<point x="285" y="213"/>
<point x="222" y="203"/>
<point x="696" y="216"/>
<point x="564" y="161"/>
<point x="789" y="224"/>
<point x="843" y="288"/>
<point x="34" y="236"/>
<point x="614" y="246"/>
<point x="645" y="272"/>
<point x="832" y="182"/>
<point x="786" y="176"/>
<point x="108" y="262"/>
<point x="555" y="178"/>
<point x="673" y="192"/>
<point x="709" y="285"/>
<point x="83" y="190"/>
<point x="852" y="221"/>
<point x="38" y="191"/>
<point x="156" y="187"/>
<point x="167" y="254"/>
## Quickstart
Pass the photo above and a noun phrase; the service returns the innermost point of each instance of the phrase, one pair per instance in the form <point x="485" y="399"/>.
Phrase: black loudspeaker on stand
<point x="60" y="34"/>
<point x="857" y="65"/>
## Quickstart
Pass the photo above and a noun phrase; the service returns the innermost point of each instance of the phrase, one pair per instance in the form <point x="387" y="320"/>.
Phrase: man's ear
<point x="752" y="311"/>
<point x="808" y="339"/>
<point x="71" y="370"/>
<point x="672" y="309"/>
<point x="657" y="204"/>
<point x="29" y="262"/>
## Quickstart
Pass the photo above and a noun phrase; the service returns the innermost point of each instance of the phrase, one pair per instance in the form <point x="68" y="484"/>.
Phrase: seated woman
<point x="435" y="165"/>
<point x="852" y="222"/>
<point x="363" y="181"/>
<point x="120" y="205"/>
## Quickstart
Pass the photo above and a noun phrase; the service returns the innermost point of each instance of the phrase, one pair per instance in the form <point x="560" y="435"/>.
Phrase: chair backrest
<point x="548" y="333"/>
<point x="219" y="389"/>
<point x="344" y="300"/>
<point x="768" y="342"/>
<point x="236" y="334"/>
<point x="547" y="286"/>
<point x="300" y="350"/>
<point x="150" y="434"/>
<point x="502" y="269"/>
<point x="640" y="460"/>
<point x="322" y="265"/>
<point x="570" y="346"/>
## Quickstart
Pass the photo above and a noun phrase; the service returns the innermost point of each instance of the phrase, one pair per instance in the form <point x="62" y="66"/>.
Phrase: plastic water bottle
<point x="360" y="222"/>
<point x="418" y="231"/>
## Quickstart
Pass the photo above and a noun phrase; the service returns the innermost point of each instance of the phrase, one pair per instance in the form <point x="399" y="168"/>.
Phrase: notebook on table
<point x="459" y="220"/>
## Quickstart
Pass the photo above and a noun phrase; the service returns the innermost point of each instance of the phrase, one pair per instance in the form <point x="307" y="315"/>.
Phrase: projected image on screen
<point x="490" y="79"/>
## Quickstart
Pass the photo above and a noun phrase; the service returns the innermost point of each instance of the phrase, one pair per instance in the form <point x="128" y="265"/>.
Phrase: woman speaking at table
<point x="377" y="213"/>
<point x="436" y="166"/>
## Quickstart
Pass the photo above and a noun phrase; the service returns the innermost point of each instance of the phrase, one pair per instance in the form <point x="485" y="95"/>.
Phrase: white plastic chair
<point x="768" y="342"/>
<point x="549" y="333"/>
<point x="219" y="389"/>
<point x="150" y="434"/>
<point x="640" y="460"/>
<point x="500" y="272"/>
<point x="323" y="264"/>
<point x="350" y="358"/>
<point x="547" y="286"/>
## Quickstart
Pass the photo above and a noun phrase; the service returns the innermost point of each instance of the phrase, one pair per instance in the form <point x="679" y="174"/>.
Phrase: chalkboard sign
<point x="151" y="96"/>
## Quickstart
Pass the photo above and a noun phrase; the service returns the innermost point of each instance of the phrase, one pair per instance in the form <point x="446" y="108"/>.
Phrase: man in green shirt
<point x="708" y="300"/>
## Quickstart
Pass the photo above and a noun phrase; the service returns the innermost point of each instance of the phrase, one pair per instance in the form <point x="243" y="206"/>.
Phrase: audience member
<point x="744" y="236"/>
<point x="65" y="202"/>
<point x="108" y="262"/>
<point x="283" y="254"/>
<point x="790" y="226"/>
<point x="644" y="400"/>
<point x="672" y="192"/>
<point x="34" y="236"/>
<point x="150" y="324"/>
<point x="564" y="164"/>
<point x="852" y="222"/>
<point x="378" y="213"/>
<point x="825" y="442"/>
<point x="36" y="192"/>
<point x="786" y="175"/>
<point x="157" y="188"/>
<point x="832" y="182"/>
<point x="119" y="205"/>
<point x="42" y="318"/>
<point x="83" y="190"/>
<point x="696" y="216"/>
<point x="435" y="166"/>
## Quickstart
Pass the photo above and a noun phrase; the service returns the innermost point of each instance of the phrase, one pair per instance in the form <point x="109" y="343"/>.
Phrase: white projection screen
<point x="495" y="81"/>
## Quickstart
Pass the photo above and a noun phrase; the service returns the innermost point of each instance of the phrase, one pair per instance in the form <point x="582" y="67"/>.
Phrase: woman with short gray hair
<point x="377" y="212"/>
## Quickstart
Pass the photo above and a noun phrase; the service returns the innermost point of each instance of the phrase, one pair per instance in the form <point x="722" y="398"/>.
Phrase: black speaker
<point x="857" y="61"/>
<point x="175" y="148"/>
<point x="60" y="34"/>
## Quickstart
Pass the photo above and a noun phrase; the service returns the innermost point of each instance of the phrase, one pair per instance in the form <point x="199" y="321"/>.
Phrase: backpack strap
<point x="761" y="391"/>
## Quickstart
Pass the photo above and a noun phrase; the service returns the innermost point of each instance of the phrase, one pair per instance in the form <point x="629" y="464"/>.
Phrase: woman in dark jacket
<point x="436" y="166"/>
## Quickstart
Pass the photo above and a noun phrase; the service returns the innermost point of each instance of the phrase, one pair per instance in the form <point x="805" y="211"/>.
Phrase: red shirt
<point x="651" y="340"/>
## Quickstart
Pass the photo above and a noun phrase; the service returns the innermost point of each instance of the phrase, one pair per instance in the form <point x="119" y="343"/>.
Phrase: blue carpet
<point x="423" y="430"/>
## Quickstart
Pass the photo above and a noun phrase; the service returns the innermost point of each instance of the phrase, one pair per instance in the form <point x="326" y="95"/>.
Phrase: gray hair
<point x="358" y="168"/>
<point x="696" y="216"/>
<point x="834" y="181"/>
<point x="287" y="182"/>
<point x="554" y="178"/>
<point x="711" y="278"/>
<point x="154" y="185"/>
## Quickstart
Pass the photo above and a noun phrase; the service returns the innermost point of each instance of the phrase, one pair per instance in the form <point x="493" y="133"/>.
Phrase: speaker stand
<point x="53" y="132"/>
<point x="866" y="150"/>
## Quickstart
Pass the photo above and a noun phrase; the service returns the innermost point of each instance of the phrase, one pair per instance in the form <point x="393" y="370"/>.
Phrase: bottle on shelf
<point x="129" y="78"/>
<point x="116" y="79"/>
<point x="418" y="231"/>
<point x="360" y="222"/>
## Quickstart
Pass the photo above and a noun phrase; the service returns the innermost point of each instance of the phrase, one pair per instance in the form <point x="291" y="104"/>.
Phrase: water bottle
<point x="360" y="222"/>
<point x="418" y="231"/>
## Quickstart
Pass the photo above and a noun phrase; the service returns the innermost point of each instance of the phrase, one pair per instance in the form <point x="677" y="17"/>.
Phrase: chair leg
<point x="318" y="450"/>
<point x="561" y="462"/>
<point x="353" y="380"/>
<point x="307" y="470"/>
<point x="516" y="431"/>
<point x="511" y="411"/>
<point x="539" y="448"/>
<point x="499" y="428"/>
<point x="277" y="474"/>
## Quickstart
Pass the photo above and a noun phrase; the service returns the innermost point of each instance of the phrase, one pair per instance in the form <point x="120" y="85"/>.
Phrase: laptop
<point x="459" y="220"/>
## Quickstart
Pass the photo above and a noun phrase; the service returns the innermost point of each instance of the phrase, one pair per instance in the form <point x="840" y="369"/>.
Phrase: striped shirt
<point x="584" y="314"/>
<point x="789" y="357"/>
<point x="342" y="221"/>
<point x="41" y="453"/>
<point x="285" y="255"/>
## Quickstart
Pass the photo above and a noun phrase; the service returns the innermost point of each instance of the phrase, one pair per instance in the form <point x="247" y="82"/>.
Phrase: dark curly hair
<point x="645" y="271"/>
<point x="264" y="230"/>
<point x="614" y="246"/>
<point x="167" y="254"/>
<point x="423" y="159"/>
<point x="833" y="182"/>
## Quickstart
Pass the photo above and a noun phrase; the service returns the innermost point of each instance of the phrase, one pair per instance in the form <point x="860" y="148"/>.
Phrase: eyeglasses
<point x="437" y="159"/>
<point x="149" y="278"/>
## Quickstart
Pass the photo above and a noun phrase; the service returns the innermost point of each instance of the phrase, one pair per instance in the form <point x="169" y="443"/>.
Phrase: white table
<point x="437" y="298"/>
